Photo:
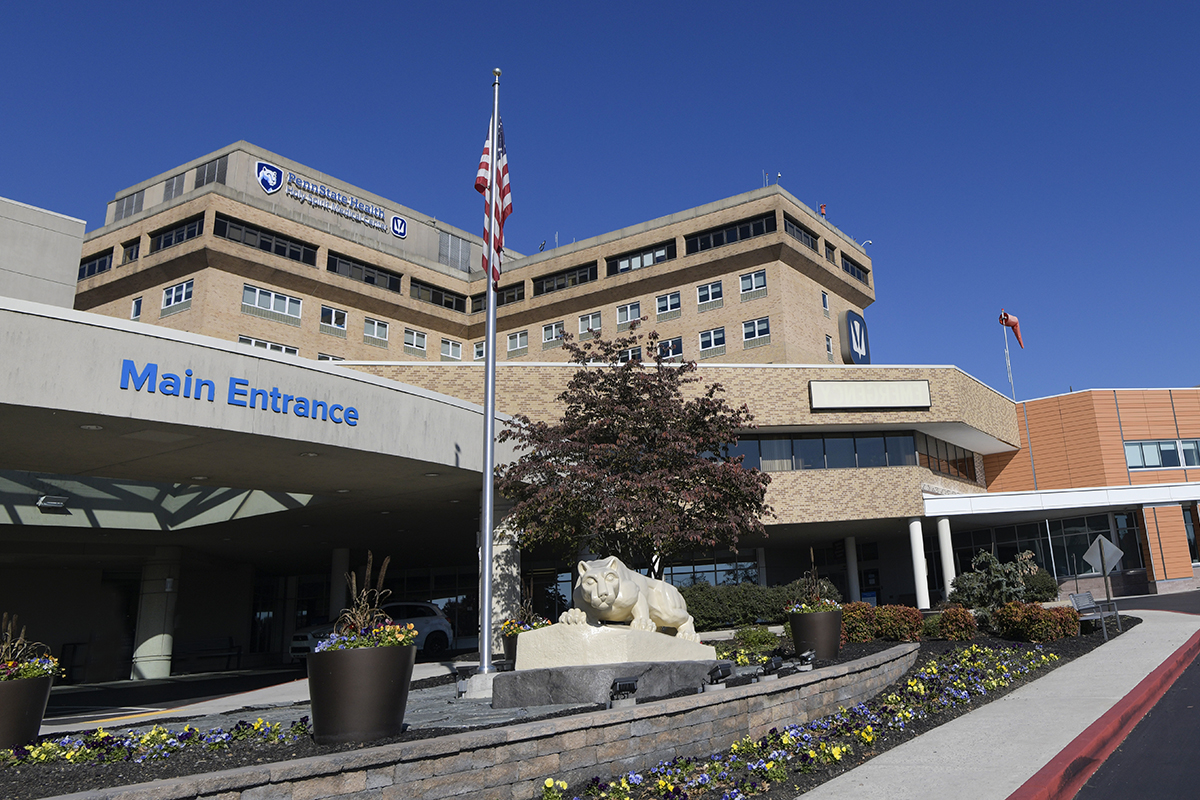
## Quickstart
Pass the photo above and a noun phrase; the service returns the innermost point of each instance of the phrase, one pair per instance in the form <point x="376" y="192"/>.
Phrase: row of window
<point x="265" y="240"/>
<point x="212" y="172"/>
<point x="354" y="270"/>
<point x="1058" y="545"/>
<point x="1162" y="453"/>
<point x="906" y="449"/>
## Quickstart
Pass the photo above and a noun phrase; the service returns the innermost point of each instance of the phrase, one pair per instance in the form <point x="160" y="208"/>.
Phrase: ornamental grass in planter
<point x="358" y="676"/>
<point x="27" y="671"/>
<point x="816" y="618"/>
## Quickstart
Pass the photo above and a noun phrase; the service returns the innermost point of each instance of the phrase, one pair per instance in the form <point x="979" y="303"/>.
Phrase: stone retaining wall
<point x="511" y="763"/>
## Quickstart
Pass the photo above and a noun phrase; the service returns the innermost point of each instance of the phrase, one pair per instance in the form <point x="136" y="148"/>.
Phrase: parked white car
<point x="433" y="629"/>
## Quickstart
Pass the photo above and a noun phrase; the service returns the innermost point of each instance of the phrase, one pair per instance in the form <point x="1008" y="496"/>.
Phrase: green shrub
<point x="957" y="624"/>
<point x="930" y="628"/>
<point x="989" y="584"/>
<point x="1040" y="587"/>
<point x="719" y="607"/>
<point x="756" y="639"/>
<point x="858" y="622"/>
<point x="899" y="623"/>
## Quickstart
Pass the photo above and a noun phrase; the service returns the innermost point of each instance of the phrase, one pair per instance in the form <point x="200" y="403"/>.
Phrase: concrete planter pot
<point x="821" y="632"/>
<point x="359" y="695"/>
<point x="22" y="704"/>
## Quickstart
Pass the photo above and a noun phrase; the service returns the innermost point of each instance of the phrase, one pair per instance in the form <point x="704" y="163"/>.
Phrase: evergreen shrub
<point x="957" y="624"/>
<point x="720" y="607"/>
<point x="899" y="623"/>
<point x="858" y="622"/>
<point x="1040" y="587"/>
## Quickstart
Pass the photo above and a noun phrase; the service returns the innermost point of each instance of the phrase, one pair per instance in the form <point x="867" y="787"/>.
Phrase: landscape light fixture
<point x="622" y="692"/>
<point x="772" y="666"/>
<point x="720" y="672"/>
<point x="52" y="501"/>
<point x="806" y="659"/>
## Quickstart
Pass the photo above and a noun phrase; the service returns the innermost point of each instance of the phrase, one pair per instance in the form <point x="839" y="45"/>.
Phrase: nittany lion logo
<point x="270" y="177"/>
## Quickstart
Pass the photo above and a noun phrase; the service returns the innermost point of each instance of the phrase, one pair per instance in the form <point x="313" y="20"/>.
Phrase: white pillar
<point x="852" y="569"/>
<point x="916" y="541"/>
<point x="946" y="548"/>
<point x="339" y="565"/>
<point x="155" y="637"/>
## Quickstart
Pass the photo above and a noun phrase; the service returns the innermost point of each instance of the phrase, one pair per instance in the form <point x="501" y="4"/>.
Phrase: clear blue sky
<point x="1036" y="156"/>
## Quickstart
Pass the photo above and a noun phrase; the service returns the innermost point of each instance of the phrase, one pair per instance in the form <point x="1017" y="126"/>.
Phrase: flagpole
<point x="1008" y="365"/>
<point x="487" y="523"/>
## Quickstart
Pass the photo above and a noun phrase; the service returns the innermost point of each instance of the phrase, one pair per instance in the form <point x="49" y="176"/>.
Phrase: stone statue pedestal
<point x="561" y="645"/>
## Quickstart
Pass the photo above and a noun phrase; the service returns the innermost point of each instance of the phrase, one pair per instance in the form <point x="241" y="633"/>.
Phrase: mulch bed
<point x="32" y="781"/>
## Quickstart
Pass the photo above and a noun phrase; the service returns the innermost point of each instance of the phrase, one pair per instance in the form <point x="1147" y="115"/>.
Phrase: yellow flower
<point x="549" y="783"/>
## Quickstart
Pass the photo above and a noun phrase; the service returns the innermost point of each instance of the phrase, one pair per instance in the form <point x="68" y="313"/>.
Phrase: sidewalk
<point x="991" y="752"/>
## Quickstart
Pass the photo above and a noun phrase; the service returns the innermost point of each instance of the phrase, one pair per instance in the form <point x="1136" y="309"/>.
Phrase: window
<point x="781" y="453"/>
<point x="825" y="302"/>
<point x="943" y="457"/>
<point x="589" y="322"/>
<point x="631" y="261"/>
<point x="829" y="347"/>
<point x="129" y="205"/>
<point x="830" y="253"/>
<point x="173" y="188"/>
<point x="754" y="281"/>
<point x="854" y="269"/>
<point x="518" y="341"/>
<point x="212" y="172"/>
<point x="271" y="301"/>
<point x="136" y="311"/>
<point x="439" y="297"/>
<point x="1163" y="454"/>
<point x="552" y="331"/>
<point x="756" y="329"/>
<point x="265" y="240"/>
<point x="564" y="279"/>
<point x="451" y="350"/>
<point x="504" y="296"/>
<point x="177" y="235"/>
<point x="712" y="339"/>
<point x="739" y="231"/>
<point x="177" y="294"/>
<point x="667" y="302"/>
<point x="414" y="339"/>
<point x="454" y="251"/>
<point x="333" y="317"/>
<point x="628" y="314"/>
<point x="480" y="351"/>
<point x="708" y="292"/>
<point x="265" y="345"/>
<point x="363" y="273"/>
<point x="632" y="354"/>
<point x="798" y="231"/>
<point x="670" y="348"/>
<point x="95" y="265"/>
<point x="130" y="251"/>
<point x="377" y="329"/>
<point x="326" y="357"/>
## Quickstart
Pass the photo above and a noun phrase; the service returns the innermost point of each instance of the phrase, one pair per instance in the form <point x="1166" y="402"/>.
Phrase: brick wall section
<point x="511" y="763"/>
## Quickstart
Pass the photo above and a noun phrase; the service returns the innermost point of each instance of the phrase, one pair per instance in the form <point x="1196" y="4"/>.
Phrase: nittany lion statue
<point x="608" y="590"/>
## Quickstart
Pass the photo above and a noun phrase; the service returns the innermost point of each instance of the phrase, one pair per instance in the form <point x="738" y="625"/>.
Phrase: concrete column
<point x="916" y="541"/>
<point x="339" y="565"/>
<point x="155" y="635"/>
<point x="852" y="569"/>
<point x="506" y="574"/>
<point x="946" y="548"/>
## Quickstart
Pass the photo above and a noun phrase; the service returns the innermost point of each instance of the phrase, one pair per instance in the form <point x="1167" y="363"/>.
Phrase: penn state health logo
<point x="270" y="177"/>
<point x="399" y="227"/>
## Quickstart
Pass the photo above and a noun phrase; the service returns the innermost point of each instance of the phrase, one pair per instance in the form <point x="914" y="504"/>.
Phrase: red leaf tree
<point x="633" y="469"/>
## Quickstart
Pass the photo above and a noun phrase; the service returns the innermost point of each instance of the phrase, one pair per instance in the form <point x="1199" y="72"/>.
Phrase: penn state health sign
<point x="238" y="392"/>
<point x="856" y="346"/>
<point x="272" y="178"/>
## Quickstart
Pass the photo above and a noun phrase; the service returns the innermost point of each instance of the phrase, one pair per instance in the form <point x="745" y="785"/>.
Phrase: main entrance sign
<point x="239" y="393"/>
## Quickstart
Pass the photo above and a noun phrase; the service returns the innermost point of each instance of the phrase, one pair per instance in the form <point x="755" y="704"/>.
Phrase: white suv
<point x="433" y="629"/>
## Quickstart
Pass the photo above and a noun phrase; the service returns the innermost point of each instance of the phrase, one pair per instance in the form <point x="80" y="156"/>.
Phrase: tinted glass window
<point x="810" y="453"/>
<point x="870" y="451"/>
<point x="839" y="453"/>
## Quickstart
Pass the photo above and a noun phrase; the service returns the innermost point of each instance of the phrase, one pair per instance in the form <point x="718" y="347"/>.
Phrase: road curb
<point x="1065" y="774"/>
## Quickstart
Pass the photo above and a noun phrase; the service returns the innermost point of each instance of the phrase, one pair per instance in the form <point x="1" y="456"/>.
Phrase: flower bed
<point x="941" y="685"/>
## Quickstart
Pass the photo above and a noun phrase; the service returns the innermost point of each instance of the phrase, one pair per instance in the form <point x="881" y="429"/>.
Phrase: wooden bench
<point x="217" y="647"/>
<point x="1091" y="610"/>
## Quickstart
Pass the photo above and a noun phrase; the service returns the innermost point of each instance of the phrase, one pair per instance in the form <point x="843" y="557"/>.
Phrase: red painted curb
<point x="1067" y="772"/>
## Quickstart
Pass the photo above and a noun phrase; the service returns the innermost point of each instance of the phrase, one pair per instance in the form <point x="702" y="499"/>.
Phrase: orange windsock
<point x="1009" y="321"/>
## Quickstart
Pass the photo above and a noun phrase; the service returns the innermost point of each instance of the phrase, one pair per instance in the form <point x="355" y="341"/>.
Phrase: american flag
<point x="493" y="218"/>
